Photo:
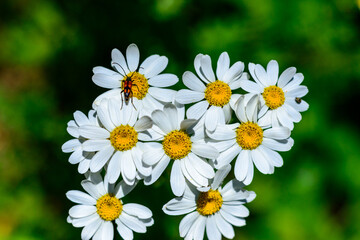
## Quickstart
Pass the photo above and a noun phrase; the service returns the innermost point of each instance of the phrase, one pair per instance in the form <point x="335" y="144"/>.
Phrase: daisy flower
<point x="178" y="142"/>
<point x="116" y="141"/>
<point x="148" y="92"/>
<point x="79" y="156"/>
<point x="281" y="96"/>
<point x="102" y="205"/>
<point x="214" y="211"/>
<point x="250" y="142"/>
<point x="211" y="94"/>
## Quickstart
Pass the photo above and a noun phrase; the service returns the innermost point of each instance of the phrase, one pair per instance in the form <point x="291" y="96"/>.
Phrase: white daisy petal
<point x="227" y="156"/>
<point x="225" y="228"/>
<point x="187" y="222"/>
<point x="250" y="174"/>
<point x="286" y="76"/>
<point x="137" y="210"/>
<point x="95" y="145"/>
<point x="143" y="124"/>
<point x="91" y="188"/>
<point x="100" y="158"/>
<point x="194" y="174"/>
<point x="132" y="222"/>
<point x="283" y="117"/>
<point x="294" y="83"/>
<point x="193" y="82"/>
<point x="236" y="221"/>
<point x="235" y="84"/>
<point x="212" y="230"/>
<point x="113" y="170"/>
<point x="118" y="58"/>
<point x="77" y="156"/>
<point x="241" y="210"/>
<point x="242" y="165"/>
<point x="70" y="145"/>
<point x="147" y="62"/>
<point x="103" y="114"/>
<point x="293" y="114"/>
<point x="201" y="166"/>
<point x="128" y="169"/>
<point x="107" y="81"/>
<point x="223" y="144"/>
<point x="186" y="96"/>
<point x="132" y="57"/>
<point x="89" y="230"/>
<point x="79" y="211"/>
<point x="103" y="70"/>
<point x="223" y="132"/>
<point x="175" y="208"/>
<point x="204" y="150"/>
<point x="220" y="175"/>
<point x="278" y="133"/>
<point x="80" y="197"/>
<point x="301" y="107"/>
<point x="107" y="231"/>
<point x="251" y="87"/>
<point x="273" y="157"/>
<point x="125" y="232"/>
<point x="153" y="155"/>
<point x="156" y="67"/>
<point x="223" y="65"/>
<point x="200" y="228"/>
<point x="160" y="119"/>
<point x="137" y="155"/>
<point x="300" y="92"/>
<point x="177" y="180"/>
<point x="171" y="112"/>
<point x="212" y="117"/>
<point x="162" y="94"/>
<point x="82" y="222"/>
<point x="157" y="170"/>
<point x="272" y="70"/>
<point x="260" y="161"/>
<point x="114" y="111"/>
<point x="282" y="146"/>
<point x="234" y="71"/>
<point x="122" y="189"/>
<point x="207" y="68"/>
<point x="81" y="118"/>
<point x="93" y="132"/>
<point x="163" y="80"/>
<point x="262" y="75"/>
<point x="197" y="110"/>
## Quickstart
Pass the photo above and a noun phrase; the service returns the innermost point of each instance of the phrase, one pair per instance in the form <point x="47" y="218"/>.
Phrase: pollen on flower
<point x="209" y="202"/>
<point x="274" y="97"/>
<point x="249" y="135"/>
<point x="177" y="144"/>
<point x="123" y="138"/>
<point x="109" y="207"/>
<point x="140" y="85"/>
<point x="218" y="93"/>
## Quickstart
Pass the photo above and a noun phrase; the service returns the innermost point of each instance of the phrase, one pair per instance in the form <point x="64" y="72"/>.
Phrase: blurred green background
<point x="48" y="50"/>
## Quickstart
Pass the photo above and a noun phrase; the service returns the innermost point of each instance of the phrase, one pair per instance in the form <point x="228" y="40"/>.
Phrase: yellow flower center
<point x="177" y="144"/>
<point x="274" y="97"/>
<point x="249" y="135"/>
<point x="218" y="93"/>
<point x="209" y="202"/>
<point x="109" y="207"/>
<point x="123" y="138"/>
<point x="139" y="85"/>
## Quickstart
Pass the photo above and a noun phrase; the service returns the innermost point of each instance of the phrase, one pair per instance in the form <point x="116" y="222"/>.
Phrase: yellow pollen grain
<point x="123" y="138"/>
<point x="249" y="135"/>
<point x="209" y="202"/>
<point x="109" y="207"/>
<point x="218" y="93"/>
<point x="177" y="144"/>
<point x="274" y="97"/>
<point x="140" y="85"/>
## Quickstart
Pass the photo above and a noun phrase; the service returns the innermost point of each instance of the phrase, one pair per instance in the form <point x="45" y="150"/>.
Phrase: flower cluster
<point x="139" y="126"/>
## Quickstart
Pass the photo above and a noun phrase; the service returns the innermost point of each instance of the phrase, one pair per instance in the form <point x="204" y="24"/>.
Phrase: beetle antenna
<point x="120" y="66"/>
